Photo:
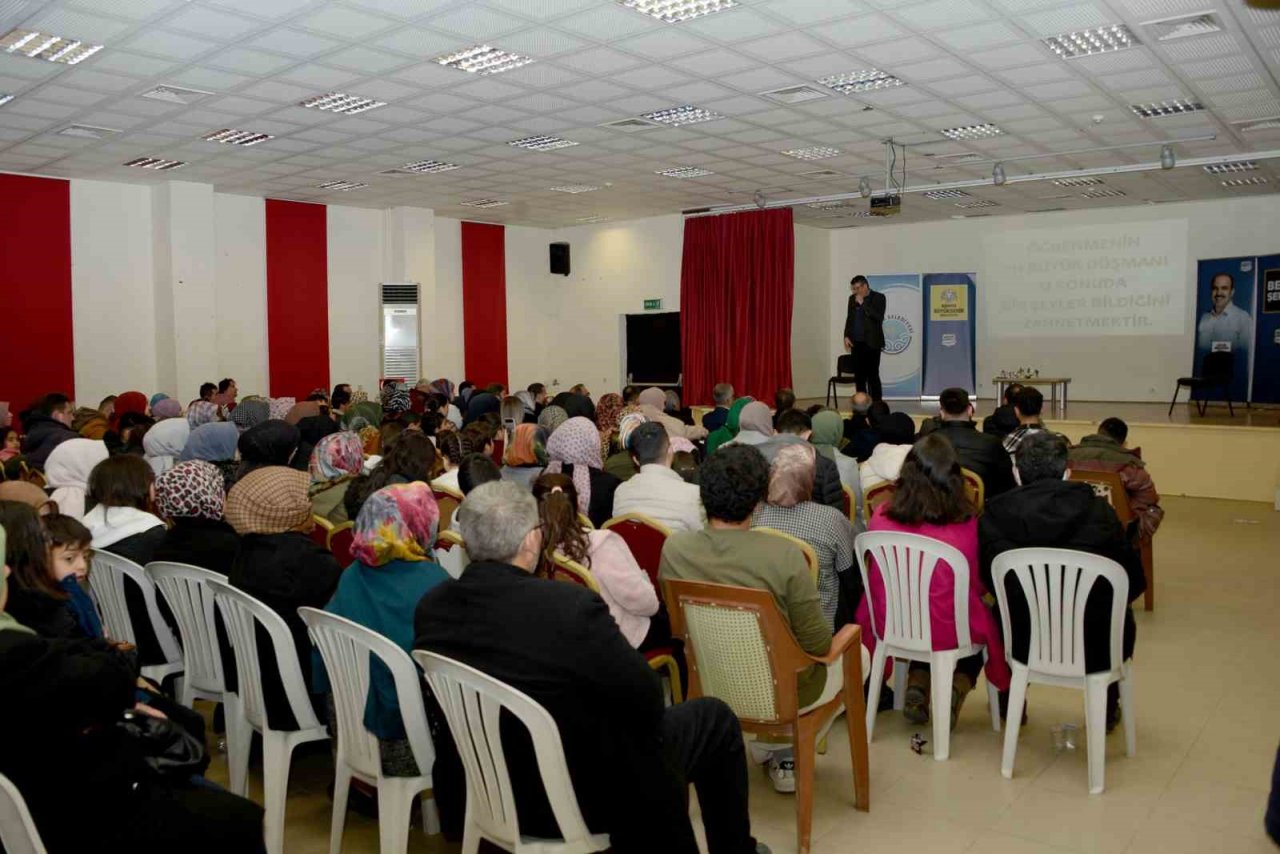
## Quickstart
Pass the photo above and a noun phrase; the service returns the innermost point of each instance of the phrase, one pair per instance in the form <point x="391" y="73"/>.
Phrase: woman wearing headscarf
<point x="451" y="409"/>
<point x="165" y="409"/>
<point x="755" y="424"/>
<point x="653" y="403"/>
<point x="361" y="415"/>
<point x="394" y="568"/>
<point x="203" y="412"/>
<point x="620" y="464"/>
<point x="551" y="418"/>
<point x="608" y="416"/>
<point x="512" y="413"/>
<point x="271" y="443"/>
<point x="828" y="430"/>
<point x="530" y="405"/>
<point x="337" y="459"/>
<point x="575" y="450"/>
<point x="29" y="494"/>
<point x="251" y="412"/>
<point x="729" y="431"/>
<point x="191" y="496"/>
<point x="215" y="443"/>
<point x="526" y="455"/>
<point x="281" y="565"/>
<point x="165" y="442"/>
<point x="479" y="405"/>
<point x="131" y="402"/>
<point x="575" y="405"/>
<point x="67" y="473"/>
<point x="278" y="407"/>
<point x="395" y="400"/>
<point x="790" y="508"/>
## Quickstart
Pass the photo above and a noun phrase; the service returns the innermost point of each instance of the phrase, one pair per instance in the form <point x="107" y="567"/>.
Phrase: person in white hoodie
<point x="67" y="473"/>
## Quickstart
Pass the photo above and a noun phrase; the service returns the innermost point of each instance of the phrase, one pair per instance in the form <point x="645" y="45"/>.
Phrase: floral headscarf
<point x="202" y="412"/>
<point x="279" y="407"/>
<point x="371" y="440"/>
<point x="337" y="456"/>
<point x="551" y="418"/>
<point x="250" y="413"/>
<point x="608" y="414"/>
<point x="627" y="426"/>
<point x="193" y="489"/>
<point x="576" y="443"/>
<point x="397" y="522"/>
<point x="527" y="447"/>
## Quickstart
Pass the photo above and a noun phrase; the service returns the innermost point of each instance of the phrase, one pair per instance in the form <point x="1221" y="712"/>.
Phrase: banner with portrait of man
<point x="1266" y="343"/>
<point x="1224" y="319"/>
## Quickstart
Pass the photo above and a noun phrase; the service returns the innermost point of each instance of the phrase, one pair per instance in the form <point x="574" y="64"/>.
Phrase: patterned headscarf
<point x="193" y="489"/>
<point x="396" y="399"/>
<point x="251" y="412"/>
<point x="361" y="415"/>
<point x="164" y="409"/>
<point x="279" y="406"/>
<point x="791" y="475"/>
<point x="608" y="414"/>
<point x="397" y="522"/>
<point x="578" y="444"/>
<point x="627" y="426"/>
<point x="129" y="402"/>
<point x="527" y="448"/>
<point x="271" y="500"/>
<point x="212" y="443"/>
<point x="442" y="386"/>
<point x="337" y="456"/>
<point x="202" y="412"/>
<point x="551" y="418"/>
<point x="360" y="396"/>
<point x="371" y="440"/>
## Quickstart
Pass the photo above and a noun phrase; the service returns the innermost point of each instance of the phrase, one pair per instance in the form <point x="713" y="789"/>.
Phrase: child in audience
<point x="10" y="444"/>
<point x="454" y="447"/>
<point x="69" y="554"/>
<point x="35" y="599"/>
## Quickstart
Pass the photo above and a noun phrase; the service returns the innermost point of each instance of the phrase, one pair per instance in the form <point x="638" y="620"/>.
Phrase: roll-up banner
<point x="1224" y="319"/>
<point x="900" y="363"/>
<point x="1266" y="347"/>
<point x="949" y="332"/>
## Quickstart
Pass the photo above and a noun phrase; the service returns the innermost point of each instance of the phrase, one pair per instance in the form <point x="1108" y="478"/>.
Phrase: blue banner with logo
<point x="1266" y="342"/>
<point x="900" y="362"/>
<point x="950" y="331"/>
<point x="1224" y="319"/>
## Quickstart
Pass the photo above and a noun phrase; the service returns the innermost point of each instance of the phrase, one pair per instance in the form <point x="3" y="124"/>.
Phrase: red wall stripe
<point x="484" y="302"/>
<point x="36" y="349"/>
<point x="297" y="298"/>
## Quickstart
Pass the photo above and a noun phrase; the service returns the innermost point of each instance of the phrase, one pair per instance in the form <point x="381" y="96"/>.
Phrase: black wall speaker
<point x="559" y="259"/>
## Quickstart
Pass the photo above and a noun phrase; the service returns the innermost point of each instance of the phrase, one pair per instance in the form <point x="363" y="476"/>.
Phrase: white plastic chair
<point x="107" y="580"/>
<point x="190" y="598"/>
<point x="347" y="649"/>
<point x="18" y="834"/>
<point x="906" y="564"/>
<point x="246" y="710"/>
<point x="472" y="702"/>
<point x="1056" y="584"/>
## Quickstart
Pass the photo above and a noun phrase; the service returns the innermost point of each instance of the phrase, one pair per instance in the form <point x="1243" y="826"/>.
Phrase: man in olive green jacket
<point x="1106" y="451"/>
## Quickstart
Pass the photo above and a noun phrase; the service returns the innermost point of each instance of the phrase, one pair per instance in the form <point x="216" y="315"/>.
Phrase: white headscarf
<point x="67" y="473"/>
<point x="164" y="442"/>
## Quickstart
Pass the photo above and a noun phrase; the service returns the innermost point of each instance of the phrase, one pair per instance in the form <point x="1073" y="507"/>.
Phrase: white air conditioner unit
<point x="400" y="345"/>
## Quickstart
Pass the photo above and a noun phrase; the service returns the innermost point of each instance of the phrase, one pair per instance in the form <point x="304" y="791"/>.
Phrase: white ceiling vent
<point x="631" y="125"/>
<point x="1183" y="26"/>
<point x="175" y="94"/>
<point x="87" y="132"/>
<point x="794" y="94"/>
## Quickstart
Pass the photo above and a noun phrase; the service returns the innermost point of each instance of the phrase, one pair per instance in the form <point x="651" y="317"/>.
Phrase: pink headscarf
<point x="576" y="443"/>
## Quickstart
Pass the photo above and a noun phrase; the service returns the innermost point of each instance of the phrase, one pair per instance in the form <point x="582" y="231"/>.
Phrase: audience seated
<point x="476" y="469"/>
<point x="1026" y="406"/>
<point x="47" y="426"/>
<point x="217" y="443"/>
<point x="827" y="435"/>
<point x="67" y="470"/>
<point x="609" y="412"/>
<point x="864" y="441"/>
<point x="755" y="425"/>
<point x="734" y="482"/>
<point x="621" y="464"/>
<point x="930" y="501"/>
<point x="337" y="458"/>
<point x="795" y="428"/>
<point x="895" y="433"/>
<point x="673" y="408"/>
<point x="36" y="599"/>
<point x="657" y="491"/>
<point x="1047" y="511"/>
<point x="731" y="427"/>
<point x="69" y="549"/>
<point x="790" y="508"/>
<point x="1106" y="451"/>
<point x="1004" y="420"/>
<point x="979" y="453"/>
<point x="271" y="443"/>
<point x="29" y="494"/>
<point x="575" y="450"/>
<point x="394" y="567"/>
<point x="722" y="394"/>
<point x="784" y="400"/>
<point x="526" y="455"/>
<point x="410" y="458"/>
<point x="576" y="403"/>
<point x="860" y="408"/>
<point x="164" y="443"/>
<point x="653" y="406"/>
<point x="629" y="759"/>
<point x="192" y="497"/>
<point x="686" y="464"/>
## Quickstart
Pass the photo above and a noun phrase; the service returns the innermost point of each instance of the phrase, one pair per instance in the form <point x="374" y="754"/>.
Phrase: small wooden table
<point x="1053" y="382"/>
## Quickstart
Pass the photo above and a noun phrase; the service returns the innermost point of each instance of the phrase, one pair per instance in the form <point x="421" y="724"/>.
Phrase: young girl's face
<point x="69" y="560"/>
<point x="12" y="442"/>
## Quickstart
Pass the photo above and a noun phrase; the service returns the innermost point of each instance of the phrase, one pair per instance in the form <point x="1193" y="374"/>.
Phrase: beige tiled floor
<point x="1208" y="723"/>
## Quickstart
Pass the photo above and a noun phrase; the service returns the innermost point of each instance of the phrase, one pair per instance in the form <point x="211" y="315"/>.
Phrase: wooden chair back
<point x="810" y="556"/>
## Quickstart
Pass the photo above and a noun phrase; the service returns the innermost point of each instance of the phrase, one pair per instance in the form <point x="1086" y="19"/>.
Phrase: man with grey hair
<point x="723" y="396"/>
<point x="861" y="405"/>
<point x="629" y="758"/>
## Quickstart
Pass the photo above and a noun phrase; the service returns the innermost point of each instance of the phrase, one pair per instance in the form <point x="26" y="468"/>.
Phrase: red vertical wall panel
<point x="484" y="302"/>
<point x="297" y="298"/>
<point x="37" y="353"/>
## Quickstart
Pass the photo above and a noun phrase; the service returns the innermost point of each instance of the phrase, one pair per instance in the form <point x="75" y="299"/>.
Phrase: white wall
<point x="355" y="254"/>
<point x="240" y="284"/>
<point x="810" y="366"/>
<point x="1106" y="367"/>
<point x="442" y="354"/>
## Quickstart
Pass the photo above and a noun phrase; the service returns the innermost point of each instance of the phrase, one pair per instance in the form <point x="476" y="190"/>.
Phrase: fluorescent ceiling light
<point x="972" y="131"/>
<point x="231" y="136"/>
<point x="428" y="167"/>
<point x="1166" y="108"/>
<point x="1234" y="166"/>
<point x="485" y="203"/>
<point x="36" y="45"/>
<point x="4" y="99"/>
<point x="342" y="186"/>
<point x="683" y="115"/>
<point x="1077" y="182"/>
<point x="157" y="163"/>
<point x="542" y="143"/>
<point x="343" y="104"/>
<point x="1092" y="41"/>
<point x="175" y="94"/>
<point x="1104" y="193"/>
<point x="483" y="59"/>
<point x="685" y="172"/>
<point x="817" y="152"/>
<point x="980" y="203"/>
<point x="575" y="188"/>
<point x="86" y="131"/>
<point x="1251" y="181"/>
<point x="676" y="11"/>
<point x="945" y="194"/>
<point x="867" y="80"/>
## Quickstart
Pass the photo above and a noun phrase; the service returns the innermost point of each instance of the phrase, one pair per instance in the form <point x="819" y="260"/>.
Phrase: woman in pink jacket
<point x="930" y="501"/>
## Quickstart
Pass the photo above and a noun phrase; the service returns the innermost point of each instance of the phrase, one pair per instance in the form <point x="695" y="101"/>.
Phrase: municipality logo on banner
<point x="897" y="334"/>
<point x="949" y="339"/>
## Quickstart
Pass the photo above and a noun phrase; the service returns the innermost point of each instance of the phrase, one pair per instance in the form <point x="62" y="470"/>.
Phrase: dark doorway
<point x="653" y="348"/>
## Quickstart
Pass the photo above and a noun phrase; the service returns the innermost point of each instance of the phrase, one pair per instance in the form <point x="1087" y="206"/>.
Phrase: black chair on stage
<point x="1216" y="370"/>
<point x="844" y="376"/>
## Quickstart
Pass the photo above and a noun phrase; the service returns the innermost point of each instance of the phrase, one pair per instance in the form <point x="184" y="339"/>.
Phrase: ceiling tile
<point x="805" y="12"/>
<point x="741" y="24"/>
<point x="936" y="69"/>
<point x="477" y="24"/>
<point x="293" y="42"/>
<point x="896" y="53"/>
<point x="133" y="64"/>
<point x="608" y="22"/>
<point x="345" y="23"/>
<point x="137" y="10"/>
<point x="211" y="24"/>
<point x="866" y="29"/>
<point x="169" y="45"/>
<point x="979" y="36"/>
<point x="248" y="61"/>
<point x="1046" y="72"/>
<point x="319" y="76"/>
<point x="209" y="78"/>
<point x="1008" y="57"/>
<point x="77" y="25"/>
<point x="942" y="14"/>
<point x="366" y="60"/>
<point x="653" y="77"/>
<point x="600" y="61"/>
<point x="783" y="46"/>
<point x="967" y="85"/>
<point x="89" y="79"/>
<point x="663" y="44"/>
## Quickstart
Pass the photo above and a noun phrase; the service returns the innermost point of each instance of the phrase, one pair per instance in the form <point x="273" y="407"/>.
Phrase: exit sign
<point x="651" y="304"/>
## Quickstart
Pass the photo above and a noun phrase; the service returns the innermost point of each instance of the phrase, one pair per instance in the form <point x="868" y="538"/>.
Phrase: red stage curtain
<point x="297" y="298"/>
<point x="736" y="290"/>
<point x="36" y="350"/>
<point x="484" y="302"/>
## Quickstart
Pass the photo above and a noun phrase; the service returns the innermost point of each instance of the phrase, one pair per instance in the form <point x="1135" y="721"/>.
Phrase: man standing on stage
<point x="864" y="334"/>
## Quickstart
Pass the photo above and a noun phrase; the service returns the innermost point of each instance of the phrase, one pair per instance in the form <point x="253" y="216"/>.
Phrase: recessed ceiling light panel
<point x="1077" y="182"/>
<point x="981" y="131"/>
<point x="1173" y="107"/>
<point x="946" y="194"/>
<point x="1251" y="181"/>
<point x="485" y="203"/>
<point x="37" y="45"/>
<point x="1093" y="41"/>
<point x="676" y="11"/>
<point x="683" y="115"/>
<point x="483" y="59"/>
<point x="341" y="103"/>
<point x="1234" y="166"/>
<point x="541" y="143"/>
<point x="341" y="186"/>
<point x="866" y="80"/>
<point x="244" y="138"/>
<point x="685" y="172"/>
<point x="157" y="163"/>
<point x="575" y="188"/>
<point x="428" y="167"/>
<point x="817" y="152"/>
